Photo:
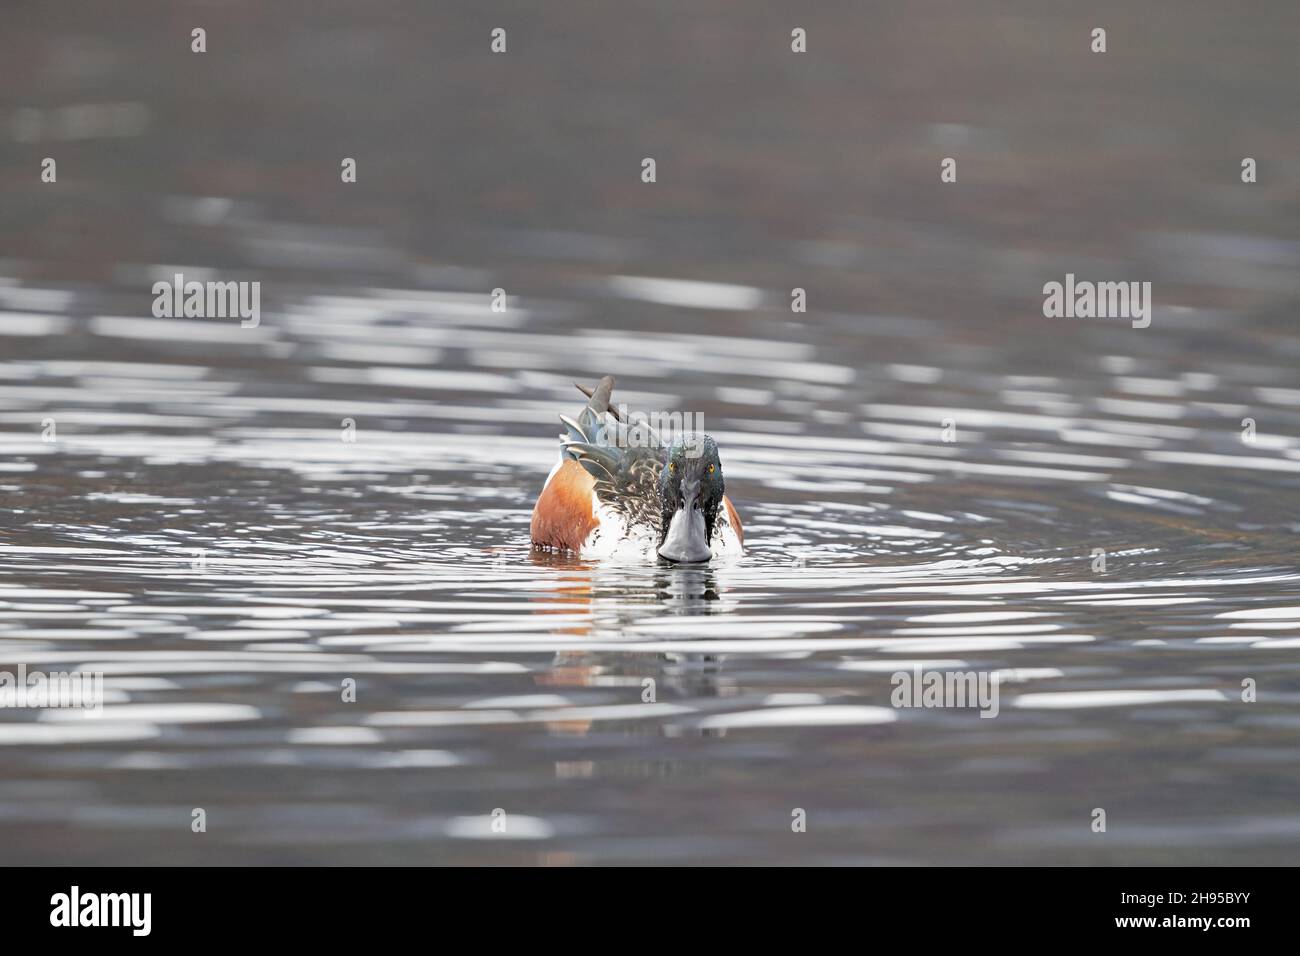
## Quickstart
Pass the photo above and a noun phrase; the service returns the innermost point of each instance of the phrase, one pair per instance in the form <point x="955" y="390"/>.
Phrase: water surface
<point x="925" y="464"/>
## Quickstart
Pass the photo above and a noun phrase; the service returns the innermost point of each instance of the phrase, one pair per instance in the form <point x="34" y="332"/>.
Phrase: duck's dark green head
<point x="690" y="492"/>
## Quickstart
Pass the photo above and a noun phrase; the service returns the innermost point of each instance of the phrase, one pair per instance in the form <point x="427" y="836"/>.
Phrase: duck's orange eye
<point x="710" y="469"/>
<point x="672" y="466"/>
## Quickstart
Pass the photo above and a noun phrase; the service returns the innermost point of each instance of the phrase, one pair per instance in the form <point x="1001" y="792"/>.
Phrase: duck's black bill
<point x="686" y="541"/>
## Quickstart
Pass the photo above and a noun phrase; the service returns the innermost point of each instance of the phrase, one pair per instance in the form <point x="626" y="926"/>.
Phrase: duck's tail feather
<point x="592" y="418"/>
<point x="589" y="427"/>
<point x="585" y="440"/>
<point x="605" y="449"/>
<point x="599" y="397"/>
<point x="641" y="431"/>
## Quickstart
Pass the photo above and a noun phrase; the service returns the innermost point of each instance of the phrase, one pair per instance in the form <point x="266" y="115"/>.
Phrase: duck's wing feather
<point x="625" y="460"/>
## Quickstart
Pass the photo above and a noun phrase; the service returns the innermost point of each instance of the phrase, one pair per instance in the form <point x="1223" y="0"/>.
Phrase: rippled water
<point x="491" y="677"/>
<point x="202" y="530"/>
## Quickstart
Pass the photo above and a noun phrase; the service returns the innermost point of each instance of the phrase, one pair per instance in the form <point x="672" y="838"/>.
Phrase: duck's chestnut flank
<point x="564" y="516"/>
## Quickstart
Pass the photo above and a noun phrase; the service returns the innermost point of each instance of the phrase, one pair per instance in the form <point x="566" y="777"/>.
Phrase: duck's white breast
<point x="612" y="538"/>
<point x="725" y="543"/>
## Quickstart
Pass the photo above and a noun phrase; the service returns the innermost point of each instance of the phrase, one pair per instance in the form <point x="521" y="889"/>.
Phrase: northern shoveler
<point x="618" y="488"/>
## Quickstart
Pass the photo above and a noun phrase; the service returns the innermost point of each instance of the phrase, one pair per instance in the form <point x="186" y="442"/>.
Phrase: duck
<point x="618" y="489"/>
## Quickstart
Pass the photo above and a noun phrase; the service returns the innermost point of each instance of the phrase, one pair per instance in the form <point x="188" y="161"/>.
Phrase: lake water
<point x="231" y="523"/>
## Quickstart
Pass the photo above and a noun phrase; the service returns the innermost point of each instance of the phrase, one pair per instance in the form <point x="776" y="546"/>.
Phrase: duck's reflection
<point x="688" y="590"/>
<point x="618" y="599"/>
<point x="627" y="593"/>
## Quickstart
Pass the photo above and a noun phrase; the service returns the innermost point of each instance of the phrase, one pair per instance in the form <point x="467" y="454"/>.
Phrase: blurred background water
<point x="489" y="677"/>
